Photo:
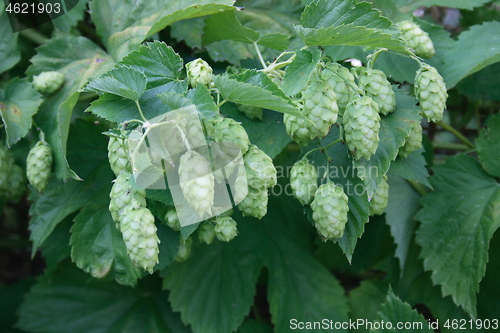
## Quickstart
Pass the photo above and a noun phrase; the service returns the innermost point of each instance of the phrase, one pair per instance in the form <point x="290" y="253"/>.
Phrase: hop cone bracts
<point x="184" y="250"/>
<point x="413" y="141"/>
<point x="330" y="211"/>
<point x="416" y="39"/>
<point x="260" y="169"/>
<point x="172" y="219"/>
<point x="252" y="112"/>
<point x="48" y="82"/>
<point x="206" y="233"/>
<point x="375" y="84"/>
<point x="229" y="130"/>
<point x="431" y="93"/>
<point x="39" y="165"/>
<point x="124" y="198"/>
<point x="380" y="198"/>
<point x="118" y="155"/>
<point x="255" y="203"/>
<point x="341" y="81"/>
<point x="304" y="181"/>
<point x="225" y="228"/>
<point x="199" y="71"/>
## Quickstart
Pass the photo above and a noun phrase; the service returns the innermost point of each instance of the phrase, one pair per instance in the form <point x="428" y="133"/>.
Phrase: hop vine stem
<point x="459" y="135"/>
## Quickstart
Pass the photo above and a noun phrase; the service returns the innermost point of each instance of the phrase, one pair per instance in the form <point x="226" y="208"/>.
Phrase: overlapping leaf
<point x="488" y="146"/>
<point x="9" y="52"/>
<point x="412" y="168"/>
<point x="298" y="72"/>
<point x="123" y="81"/>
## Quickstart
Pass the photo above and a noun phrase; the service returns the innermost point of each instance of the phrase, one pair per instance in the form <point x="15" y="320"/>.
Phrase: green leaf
<point x="400" y="215"/>
<point x="70" y="19"/>
<point x="482" y="85"/>
<point x="230" y="51"/>
<point x="394" y="128"/>
<point x="298" y="72"/>
<point x="71" y="301"/>
<point x="458" y="221"/>
<point x="488" y="304"/>
<point x="480" y="38"/>
<point x="79" y="60"/>
<point x="276" y="41"/>
<point x="396" y="312"/>
<point x="269" y="134"/>
<point x="365" y="301"/>
<point x="124" y="25"/>
<point x="9" y="52"/>
<point x="340" y="22"/>
<point x="190" y="31"/>
<point x="412" y="168"/>
<point x="18" y="103"/>
<point x="56" y="246"/>
<point x="408" y="6"/>
<point x="253" y="94"/>
<point x="488" y="146"/>
<point x="98" y="247"/>
<point x="123" y="81"/>
<point x="12" y="298"/>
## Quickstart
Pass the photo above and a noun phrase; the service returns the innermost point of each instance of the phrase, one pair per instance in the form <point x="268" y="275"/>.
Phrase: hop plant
<point x="124" y="198"/>
<point x="252" y="112"/>
<point x="39" y="165"/>
<point x="330" y="209"/>
<point x="199" y="71"/>
<point x="225" y="228"/>
<point x="229" y="130"/>
<point x="260" y="169"/>
<point x="6" y="163"/>
<point x="206" y="233"/>
<point x="118" y="155"/>
<point x="361" y="127"/>
<point x="431" y="93"/>
<point x="413" y="141"/>
<point x="416" y="39"/>
<point x="304" y="181"/>
<point x="172" y="219"/>
<point x="255" y="203"/>
<point x="139" y="234"/>
<point x="197" y="182"/>
<point x="184" y="249"/>
<point x="380" y="198"/>
<point x="375" y="84"/>
<point x="48" y="82"/>
<point x="341" y="81"/>
<point x="16" y="183"/>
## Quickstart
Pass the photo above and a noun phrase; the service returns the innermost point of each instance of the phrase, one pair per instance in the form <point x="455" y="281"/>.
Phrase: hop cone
<point x="252" y="112"/>
<point x="380" y="198"/>
<point x="211" y="124"/>
<point x="206" y="233"/>
<point x="6" y="164"/>
<point x="172" y="219"/>
<point x="260" y="169"/>
<point x="225" y="228"/>
<point x="412" y="142"/>
<point x="341" y="81"/>
<point x="118" y="156"/>
<point x="197" y="182"/>
<point x="229" y="130"/>
<point x="430" y="90"/>
<point x="375" y="84"/>
<point x="139" y="233"/>
<point x="330" y="211"/>
<point x="361" y="127"/>
<point x="199" y="71"/>
<point x="417" y="39"/>
<point x="16" y="183"/>
<point x="304" y="181"/>
<point x="319" y="105"/>
<point x="124" y="198"/>
<point x="39" y="165"/>
<point x="48" y="82"/>
<point x="184" y="250"/>
<point x="255" y="203"/>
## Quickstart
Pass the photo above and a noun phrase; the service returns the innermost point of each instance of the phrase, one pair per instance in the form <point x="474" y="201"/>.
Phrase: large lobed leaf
<point x="488" y="146"/>
<point x="458" y="221"/>
<point x="9" y="52"/>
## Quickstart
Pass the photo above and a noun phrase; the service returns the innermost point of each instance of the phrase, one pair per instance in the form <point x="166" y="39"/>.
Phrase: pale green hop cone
<point x="197" y="182"/>
<point x="172" y="219"/>
<point x="229" y="130"/>
<point x="431" y="93"/>
<point x="118" y="155"/>
<point x="139" y="234"/>
<point x="48" y="82"/>
<point x="374" y="82"/>
<point x="416" y="39"/>
<point x="124" y="198"/>
<point x="199" y="71"/>
<point x="225" y="228"/>
<point x="17" y="183"/>
<point x="380" y="198"/>
<point x="206" y="232"/>
<point x="330" y="211"/>
<point x="252" y="112"/>
<point x="39" y="165"/>
<point x="260" y="170"/>
<point x="304" y="181"/>
<point x="184" y="250"/>
<point x="361" y="127"/>
<point x="341" y="81"/>
<point x="255" y="203"/>
<point x="413" y="141"/>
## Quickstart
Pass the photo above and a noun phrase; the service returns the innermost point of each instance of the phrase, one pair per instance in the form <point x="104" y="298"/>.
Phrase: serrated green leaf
<point x="396" y="312"/>
<point x="98" y="247"/>
<point x="365" y="301"/>
<point x="230" y="51"/>
<point x="276" y="41"/>
<point x="483" y="39"/>
<point x="488" y="146"/>
<point x="18" y="103"/>
<point x="163" y="196"/>
<point x="401" y="209"/>
<point x="189" y="230"/>
<point x="205" y="104"/>
<point x="9" y="52"/>
<point x="458" y="221"/>
<point x="298" y="72"/>
<point x="114" y="108"/>
<point x="412" y="168"/>
<point x="79" y="60"/>
<point x="190" y="31"/>
<point x="56" y="246"/>
<point x="269" y="134"/>
<point x="488" y="304"/>
<point x="123" y="81"/>
<point x="394" y="128"/>
<point x="71" y="301"/>
<point x="70" y="18"/>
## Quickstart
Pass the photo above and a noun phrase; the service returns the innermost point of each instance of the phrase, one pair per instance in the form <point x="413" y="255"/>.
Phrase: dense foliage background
<point x="431" y="256"/>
